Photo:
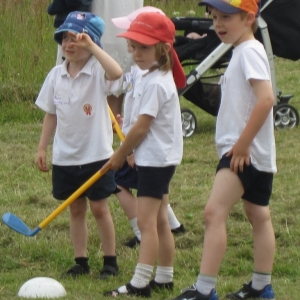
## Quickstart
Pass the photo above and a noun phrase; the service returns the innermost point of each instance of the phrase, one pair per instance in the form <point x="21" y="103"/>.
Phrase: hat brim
<point x="139" y="37"/>
<point x="221" y="6"/>
<point x="58" y="34"/>
<point x="122" y="22"/>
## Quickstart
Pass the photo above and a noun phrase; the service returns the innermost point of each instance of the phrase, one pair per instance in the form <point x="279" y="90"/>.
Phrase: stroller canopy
<point x="283" y="20"/>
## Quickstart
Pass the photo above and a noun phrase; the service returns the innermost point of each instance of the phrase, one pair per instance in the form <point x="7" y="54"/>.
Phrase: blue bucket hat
<point x="82" y="22"/>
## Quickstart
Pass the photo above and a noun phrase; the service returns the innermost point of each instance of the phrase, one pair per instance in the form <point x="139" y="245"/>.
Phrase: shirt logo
<point x="87" y="109"/>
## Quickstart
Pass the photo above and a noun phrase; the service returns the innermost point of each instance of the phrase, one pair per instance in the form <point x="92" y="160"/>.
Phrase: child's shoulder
<point x="250" y="44"/>
<point x="251" y="49"/>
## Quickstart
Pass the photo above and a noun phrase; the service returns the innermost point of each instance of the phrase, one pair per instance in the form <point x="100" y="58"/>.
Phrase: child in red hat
<point x="127" y="178"/>
<point x="155" y="137"/>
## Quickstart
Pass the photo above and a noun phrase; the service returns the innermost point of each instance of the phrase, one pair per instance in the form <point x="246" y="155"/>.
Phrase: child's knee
<point x="99" y="209"/>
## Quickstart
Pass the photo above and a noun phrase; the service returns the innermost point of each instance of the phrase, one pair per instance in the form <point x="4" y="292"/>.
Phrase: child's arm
<point x="241" y="150"/>
<point x="112" y="69"/>
<point x="48" y="130"/>
<point x="135" y="136"/>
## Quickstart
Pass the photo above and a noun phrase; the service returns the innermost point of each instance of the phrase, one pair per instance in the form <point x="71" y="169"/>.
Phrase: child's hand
<point x="239" y="157"/>
<point x="119" y="120"/>
<point x="131" y="160"/>
<point x="40" y="161"/>
<point x="195" y="35"/>
<point x="81" y="40"/>
<point x="116" y="161"/>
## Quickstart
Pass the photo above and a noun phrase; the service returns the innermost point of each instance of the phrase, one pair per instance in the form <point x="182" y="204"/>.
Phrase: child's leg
<point x="175" y="225"/>
<point x="263" y="235"/>
<point x="78" y="231"/>
<point x="264" y="243"/>
<point x="166" y="240"/>
<point x="164" y="271"/>
<point x="106" y="230"/>
<point x="78" y="226"/>
<point x="226" y="192"/>
<point x="129" y="204"/>
<point x="148" y="209"/>
<point x="101" y="213"/>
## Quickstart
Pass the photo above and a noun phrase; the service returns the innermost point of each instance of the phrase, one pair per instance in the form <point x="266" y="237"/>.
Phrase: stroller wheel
<point x="189" y="122"/>
<point x="285" y="116"/>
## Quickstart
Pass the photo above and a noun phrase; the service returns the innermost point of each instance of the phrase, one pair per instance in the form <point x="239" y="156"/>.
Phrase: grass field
<point x="26" y="56"/>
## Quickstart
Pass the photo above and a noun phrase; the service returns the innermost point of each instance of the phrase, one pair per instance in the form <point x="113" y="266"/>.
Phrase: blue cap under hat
<point x="82" y="22"/>
<point x="222" y="6"/>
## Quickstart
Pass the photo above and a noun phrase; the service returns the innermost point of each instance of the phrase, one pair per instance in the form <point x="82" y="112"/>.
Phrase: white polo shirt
<point x="84" y="130"/>
<point x="157" y="96"/>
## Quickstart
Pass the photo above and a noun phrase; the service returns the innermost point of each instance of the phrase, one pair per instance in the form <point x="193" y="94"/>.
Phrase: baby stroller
<point x="278" y="27"/>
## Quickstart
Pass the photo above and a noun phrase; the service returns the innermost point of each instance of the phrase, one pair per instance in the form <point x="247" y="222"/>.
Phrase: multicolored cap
<point x="82" y="22"/>
<point x="233" y="6"/>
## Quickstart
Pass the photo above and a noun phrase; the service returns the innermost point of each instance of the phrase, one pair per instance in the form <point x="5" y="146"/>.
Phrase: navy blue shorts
<point x="67" y="179"/>
<point x="127" y="177"/>
<point x="257" y="184"/>
<point x="154" y="182"/>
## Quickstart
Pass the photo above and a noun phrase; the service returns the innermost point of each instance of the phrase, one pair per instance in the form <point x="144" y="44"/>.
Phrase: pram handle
<point x="195" y="24"/>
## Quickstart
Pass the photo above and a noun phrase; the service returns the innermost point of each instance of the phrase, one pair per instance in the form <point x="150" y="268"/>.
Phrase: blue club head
<point x="13" y="222"/>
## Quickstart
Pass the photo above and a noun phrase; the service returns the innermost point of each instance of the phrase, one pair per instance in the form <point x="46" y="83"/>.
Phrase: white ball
<point x="42" y="287"/>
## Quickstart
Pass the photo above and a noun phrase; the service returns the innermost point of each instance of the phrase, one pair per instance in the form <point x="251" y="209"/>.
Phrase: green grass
<point x="27" y="192"/>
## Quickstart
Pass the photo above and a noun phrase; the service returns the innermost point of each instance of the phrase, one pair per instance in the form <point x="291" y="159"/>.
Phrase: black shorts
<point x="67" y="179"/>
<point x="257" y="184"/>
<point x="154" y="182"/>
<point x="127" y="177"/>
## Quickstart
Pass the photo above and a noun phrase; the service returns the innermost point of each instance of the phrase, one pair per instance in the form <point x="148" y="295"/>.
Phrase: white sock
<point x="205" y="284"/>
<point x="135" y="228"/>
<point x="164" y="274"/>
<point x="173" y="222"/>
<point x="141" y="275"/>
<point x="260" y="280"/>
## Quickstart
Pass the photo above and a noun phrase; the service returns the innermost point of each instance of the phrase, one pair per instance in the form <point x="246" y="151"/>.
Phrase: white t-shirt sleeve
<point x="45" y="99"/>
<point x="254" y="64"/>
<point x="112" y="86"/>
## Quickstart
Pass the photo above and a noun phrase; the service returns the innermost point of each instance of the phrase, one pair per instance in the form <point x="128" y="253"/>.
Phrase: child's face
<point x="72" y="52"/>
<point x="232" y="28"/>
<point x="143" y="55"/>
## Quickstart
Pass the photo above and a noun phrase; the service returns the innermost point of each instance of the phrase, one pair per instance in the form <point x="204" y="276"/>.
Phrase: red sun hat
<point x="151" y="28"/>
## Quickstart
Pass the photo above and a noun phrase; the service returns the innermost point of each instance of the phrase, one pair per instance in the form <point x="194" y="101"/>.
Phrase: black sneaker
<point x="156" y="285"/>
<point x="191" y="293"/>
<point x="130" y="291"/>
<point x="179" y="229"/>
<point x="247" y="292"/>
<point x="132" y="243"/>
<point x="108" y="271"/>
<point x="75" y="271"/>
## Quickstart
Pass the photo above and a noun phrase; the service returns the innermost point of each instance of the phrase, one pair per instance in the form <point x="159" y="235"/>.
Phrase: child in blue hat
<point x="73" y="97"/>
